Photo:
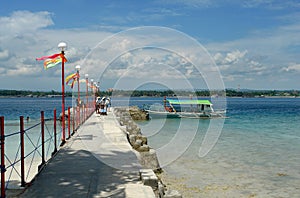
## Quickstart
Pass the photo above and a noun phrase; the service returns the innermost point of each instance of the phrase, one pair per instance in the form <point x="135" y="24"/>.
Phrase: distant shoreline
<point x="120" y="96"/>
<point x="230" y="93"/>
<point x="33" y="96"/>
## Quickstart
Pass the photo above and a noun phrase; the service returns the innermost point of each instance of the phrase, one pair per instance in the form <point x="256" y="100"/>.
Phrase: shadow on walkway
<point x="77" y="173"/>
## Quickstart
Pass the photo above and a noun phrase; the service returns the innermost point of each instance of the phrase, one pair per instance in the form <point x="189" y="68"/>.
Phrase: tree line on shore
<point x="160" y="93"/>
<point x="27" y="93"/>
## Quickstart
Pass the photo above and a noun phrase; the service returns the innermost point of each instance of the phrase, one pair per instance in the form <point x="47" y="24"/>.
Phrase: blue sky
<point x="255" y="43"/>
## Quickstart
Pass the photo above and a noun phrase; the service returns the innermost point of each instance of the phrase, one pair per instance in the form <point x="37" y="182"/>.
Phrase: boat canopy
<point x="187" y="102"/>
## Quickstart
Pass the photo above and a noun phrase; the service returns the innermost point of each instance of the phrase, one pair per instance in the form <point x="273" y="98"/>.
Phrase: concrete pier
<point x="97" y="161"/>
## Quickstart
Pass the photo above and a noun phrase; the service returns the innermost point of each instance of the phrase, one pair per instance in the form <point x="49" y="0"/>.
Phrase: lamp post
<point x="93" y="90"/>
<point x="62" y="46"/>
<point x="87" y="93"/>
<point x="96" y="89"/>
<point x="92" y="82"/>
<point x="78" y="92"/>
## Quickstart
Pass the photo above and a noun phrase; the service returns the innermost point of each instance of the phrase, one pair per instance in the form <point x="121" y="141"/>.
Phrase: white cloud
<point x="271" y="4"/>
<point x="121" y="45"/>
<point x="230" y="57"/>
<point x="25" y="36"/>
<point x="234" y="56"/>
<point x="152" y="63"/>
<point x="191" y="3"/>
<point x="4" y="55"/>
<point x="22" y="71"/>
<point x="260" y="57"/>
<point x="18" y="36"/>
<point x="24" y="21"/>
<point x="218" y="57"/>
<point x="292" y="68"/>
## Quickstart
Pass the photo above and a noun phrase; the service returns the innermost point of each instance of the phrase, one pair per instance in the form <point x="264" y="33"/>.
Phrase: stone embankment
<point x="147" y="155"/>
<point x="138" y="114"/>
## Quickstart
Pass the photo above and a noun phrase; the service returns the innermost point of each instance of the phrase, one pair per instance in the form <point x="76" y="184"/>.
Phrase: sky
<point x="176" y="44"/>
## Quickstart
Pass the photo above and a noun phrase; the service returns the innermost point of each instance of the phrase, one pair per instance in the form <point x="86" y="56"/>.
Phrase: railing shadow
<point x="86" y="177"/>
<point x="28" y="150"/>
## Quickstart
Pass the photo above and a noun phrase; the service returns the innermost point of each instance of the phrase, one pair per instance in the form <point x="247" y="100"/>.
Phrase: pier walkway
<point x="97" y="161"/>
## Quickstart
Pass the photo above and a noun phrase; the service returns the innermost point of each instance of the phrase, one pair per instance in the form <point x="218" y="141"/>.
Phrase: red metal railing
<point x="46" y="141"/>
<point x="22" y="131"/>
<point x="2" y="157"/>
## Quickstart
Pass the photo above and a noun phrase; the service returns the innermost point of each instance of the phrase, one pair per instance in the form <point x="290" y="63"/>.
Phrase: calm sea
<point x="257" y="153"/>
<point x="13" y="108"/>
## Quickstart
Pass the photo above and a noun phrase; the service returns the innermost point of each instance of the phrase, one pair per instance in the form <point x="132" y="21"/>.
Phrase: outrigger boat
<point x="184" y="108"/>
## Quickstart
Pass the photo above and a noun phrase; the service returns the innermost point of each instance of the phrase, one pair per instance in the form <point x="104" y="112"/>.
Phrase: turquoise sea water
<point x="256" y="155"/>
<point x="12" y="109"/>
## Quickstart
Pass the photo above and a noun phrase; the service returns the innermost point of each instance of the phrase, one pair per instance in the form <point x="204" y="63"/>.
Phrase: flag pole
<point x="62" y="46"/>
<point x="78" y="95"/>
<point x="86" y="95"/>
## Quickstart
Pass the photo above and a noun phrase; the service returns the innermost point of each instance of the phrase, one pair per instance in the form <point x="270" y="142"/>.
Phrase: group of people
<point x="102" y="105"/>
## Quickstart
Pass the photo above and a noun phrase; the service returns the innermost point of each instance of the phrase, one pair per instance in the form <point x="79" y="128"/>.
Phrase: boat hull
<point x="162" y="114"/>
<point x="165" y="114"/>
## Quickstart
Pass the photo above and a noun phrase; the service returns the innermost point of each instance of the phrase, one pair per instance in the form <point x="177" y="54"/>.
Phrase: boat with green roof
<point x="184" y="108"/>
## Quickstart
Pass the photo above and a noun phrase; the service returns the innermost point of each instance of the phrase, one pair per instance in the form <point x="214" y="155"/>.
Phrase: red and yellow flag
<point x="74" y="77"/>
<point x="53" y="60"/>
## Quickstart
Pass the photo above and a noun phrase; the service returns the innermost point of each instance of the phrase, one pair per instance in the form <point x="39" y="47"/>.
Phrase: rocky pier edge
<point x="150" y="174"/>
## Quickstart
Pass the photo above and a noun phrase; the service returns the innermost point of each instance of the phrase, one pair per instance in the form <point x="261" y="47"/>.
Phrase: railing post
<point x="69" y="123"/>
<point x="77" y="119"/>
<point x="43" y="136"/>
<point x="73" y="120"/>
<point x="84" y="110"/>
<point x="2" y="157"/>
<point x="82" y="115"/>
<point x="78" y="112"/>
<point x="23" y="183"/>
<point x="54" y="132"/>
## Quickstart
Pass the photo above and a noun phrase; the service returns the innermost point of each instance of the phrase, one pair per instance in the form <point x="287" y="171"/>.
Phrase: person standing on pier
<point x="98" y="101"/>
<point x="107" y="104"/>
